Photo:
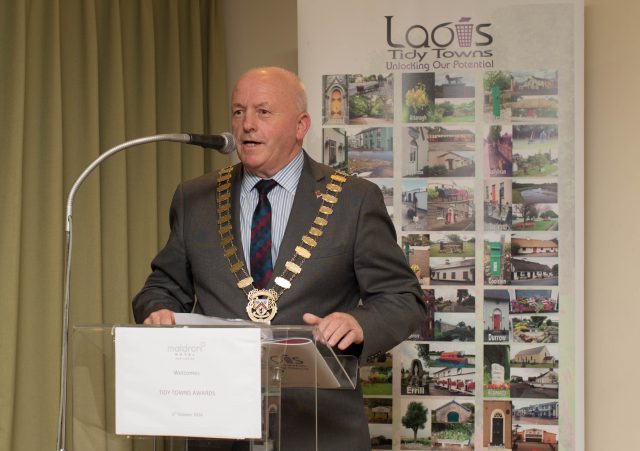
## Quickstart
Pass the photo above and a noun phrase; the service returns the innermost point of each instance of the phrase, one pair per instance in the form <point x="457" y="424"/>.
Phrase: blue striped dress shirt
<point x="280" y="198"/>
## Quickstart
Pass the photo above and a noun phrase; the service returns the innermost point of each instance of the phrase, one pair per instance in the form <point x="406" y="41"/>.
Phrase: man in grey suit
<point x="336" y="262"/>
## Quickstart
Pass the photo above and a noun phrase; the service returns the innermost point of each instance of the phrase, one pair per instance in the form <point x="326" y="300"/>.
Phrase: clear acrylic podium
<point x="92" y="393"/>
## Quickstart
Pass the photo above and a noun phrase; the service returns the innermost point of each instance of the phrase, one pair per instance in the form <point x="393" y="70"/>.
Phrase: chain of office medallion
<point x="302" y="252"/>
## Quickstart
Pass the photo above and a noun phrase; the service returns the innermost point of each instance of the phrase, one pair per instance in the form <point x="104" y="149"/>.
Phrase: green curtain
<point x="76" y="78"/>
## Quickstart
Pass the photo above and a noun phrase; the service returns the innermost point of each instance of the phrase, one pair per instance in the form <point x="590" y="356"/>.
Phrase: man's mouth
<point x="250" y="143"/>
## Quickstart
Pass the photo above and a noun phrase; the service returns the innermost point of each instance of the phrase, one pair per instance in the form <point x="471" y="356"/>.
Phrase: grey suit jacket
<point x="357" y="267"/>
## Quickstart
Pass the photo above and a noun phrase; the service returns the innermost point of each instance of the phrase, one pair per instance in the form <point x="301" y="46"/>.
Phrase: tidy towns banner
<point x="468" y="116"/>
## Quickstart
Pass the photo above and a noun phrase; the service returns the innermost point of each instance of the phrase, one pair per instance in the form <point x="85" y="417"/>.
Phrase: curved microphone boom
<point x="223" y="143"/>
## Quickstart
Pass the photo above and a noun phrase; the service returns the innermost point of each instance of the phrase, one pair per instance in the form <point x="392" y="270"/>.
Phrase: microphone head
<point x="230" y="144"/>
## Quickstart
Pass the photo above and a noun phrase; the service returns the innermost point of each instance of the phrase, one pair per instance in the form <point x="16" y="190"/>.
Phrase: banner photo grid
<point x="468" y="116"/>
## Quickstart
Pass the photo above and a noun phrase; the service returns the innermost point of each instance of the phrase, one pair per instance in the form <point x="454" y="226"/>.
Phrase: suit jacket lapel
<point x="303" y="211"/>
<point x="236" y="190"/>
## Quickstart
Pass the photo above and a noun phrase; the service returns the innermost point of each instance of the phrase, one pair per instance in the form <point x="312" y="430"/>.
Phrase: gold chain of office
<point x="262" y="303"/>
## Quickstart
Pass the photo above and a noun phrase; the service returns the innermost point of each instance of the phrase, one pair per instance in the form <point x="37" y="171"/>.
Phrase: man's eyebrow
<point x="264" y="104"/>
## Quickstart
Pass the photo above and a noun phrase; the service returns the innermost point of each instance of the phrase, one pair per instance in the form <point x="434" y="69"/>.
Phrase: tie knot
<point x="264" y="186"/>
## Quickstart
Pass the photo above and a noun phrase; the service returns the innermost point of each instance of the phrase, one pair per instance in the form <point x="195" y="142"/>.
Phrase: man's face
<point x="266" y="121"/>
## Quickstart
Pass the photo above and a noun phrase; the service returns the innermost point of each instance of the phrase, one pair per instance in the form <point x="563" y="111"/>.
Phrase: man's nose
<point x="248" y="121"/>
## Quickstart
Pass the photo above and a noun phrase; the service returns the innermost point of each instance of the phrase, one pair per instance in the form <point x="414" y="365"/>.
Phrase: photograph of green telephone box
<point x="521" y="96"/>
<point x="497" y="258"/>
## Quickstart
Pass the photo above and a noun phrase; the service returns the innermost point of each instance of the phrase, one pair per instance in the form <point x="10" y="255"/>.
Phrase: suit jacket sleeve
<point x="392" y="301"/>
<point x="170" y="284"/>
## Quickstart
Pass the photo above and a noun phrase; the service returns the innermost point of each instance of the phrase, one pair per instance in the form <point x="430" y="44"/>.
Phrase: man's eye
<point x="262" y="111"/>
<point x="237" y="112"/>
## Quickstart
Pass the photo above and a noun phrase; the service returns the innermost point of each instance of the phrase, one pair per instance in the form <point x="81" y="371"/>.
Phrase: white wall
<point x="612" y="240"/>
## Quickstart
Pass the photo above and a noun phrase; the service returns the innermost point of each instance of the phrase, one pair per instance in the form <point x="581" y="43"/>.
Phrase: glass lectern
<point x="290" y="357"/>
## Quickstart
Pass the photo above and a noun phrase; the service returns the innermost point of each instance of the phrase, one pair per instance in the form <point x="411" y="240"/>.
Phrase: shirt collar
<point x="287" y="177"/>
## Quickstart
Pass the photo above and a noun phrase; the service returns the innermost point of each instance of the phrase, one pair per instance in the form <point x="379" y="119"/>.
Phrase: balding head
<point x="292" y="81"/>
<point x="269" y="119"/>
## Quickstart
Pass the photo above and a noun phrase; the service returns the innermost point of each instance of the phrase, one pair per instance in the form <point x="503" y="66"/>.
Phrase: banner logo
<point x="186" y="351"/>
<point x="446" y="45"/>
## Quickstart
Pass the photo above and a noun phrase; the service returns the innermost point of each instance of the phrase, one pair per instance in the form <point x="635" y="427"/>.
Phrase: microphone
<point x="224" y="143"/>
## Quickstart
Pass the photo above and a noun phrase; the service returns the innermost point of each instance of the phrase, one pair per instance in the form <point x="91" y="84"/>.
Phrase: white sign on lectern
<point x="188" y="382"/>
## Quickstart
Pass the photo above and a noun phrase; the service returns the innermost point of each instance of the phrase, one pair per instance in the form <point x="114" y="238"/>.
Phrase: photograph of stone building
<point x="438" y="151"/>
<point x="451" y="205"/>
<point x="452" y="412"/>
<point x="544" y="356"/>
<point x="534" y="245"/>
<point x="454" y="327"/>
<point x="452" y="381"/>
<point x="534" y="271"/>
<point x="527" y="411"/>
<point x="415" y="147"/>
<point x="452" y="424"/>
<point x="453" y="271"/>
<point x="534" y="383"/>
<point x="370" y="152"/>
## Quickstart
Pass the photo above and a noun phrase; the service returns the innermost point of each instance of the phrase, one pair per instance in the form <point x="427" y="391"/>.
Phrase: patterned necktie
<point x="260" y="249"/>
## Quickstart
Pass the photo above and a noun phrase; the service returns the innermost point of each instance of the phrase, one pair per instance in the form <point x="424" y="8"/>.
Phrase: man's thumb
<point x="311" y="319"/>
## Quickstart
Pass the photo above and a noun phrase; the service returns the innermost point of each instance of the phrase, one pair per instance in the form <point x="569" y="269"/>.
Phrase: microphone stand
<point x="184" y="138"/>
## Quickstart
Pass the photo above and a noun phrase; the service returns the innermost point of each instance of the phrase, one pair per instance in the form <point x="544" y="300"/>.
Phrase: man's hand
<point x="337" y="328"/>
<point x="161" y="317"/>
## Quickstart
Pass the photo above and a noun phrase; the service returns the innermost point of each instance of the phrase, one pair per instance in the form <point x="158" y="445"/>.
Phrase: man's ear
<point x="304" y="123"/>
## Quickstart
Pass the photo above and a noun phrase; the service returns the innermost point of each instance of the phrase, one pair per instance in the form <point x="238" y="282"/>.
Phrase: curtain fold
<point x="78" y="77"/>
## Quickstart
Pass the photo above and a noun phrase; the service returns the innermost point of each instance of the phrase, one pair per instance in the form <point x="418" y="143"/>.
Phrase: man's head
<point x="269" y="119"/>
